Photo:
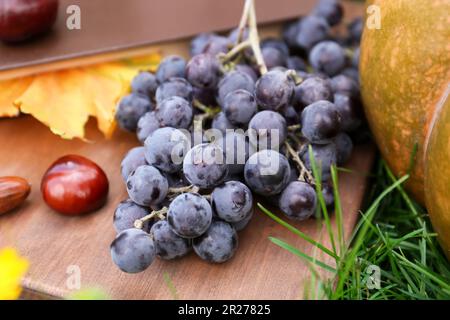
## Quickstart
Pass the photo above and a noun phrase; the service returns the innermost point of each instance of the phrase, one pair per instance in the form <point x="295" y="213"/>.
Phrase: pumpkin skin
<point x="437" y="174"/>
<point x="405" y="72"/>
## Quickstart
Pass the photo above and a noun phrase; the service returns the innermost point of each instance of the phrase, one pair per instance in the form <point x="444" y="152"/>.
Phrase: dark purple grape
<point x="349" y="110"/>
<point x="174" y="87"/>
<point x="311" y="90"/>
<point x="221" y="123"/>
<point x="304" y="75"/>
<point x="241" y="225"/>
<point x="328" y="194"/>
<point x="165" y="149"/>
<point x="325" y="155"/>
<point x="278" y="44"/>
<point x="331" y="10"/>
<point x="217" y="44"/>
<point x="267" y="172"/>
<point x="146" y="186"/>
<point x="133" y="250"/>
<point x="126" y="213"/>
<point x="232" y="201"/>
<point x="291" y="115"/>
<point x="239" y="107"/>
<point x="355" y="29"/>
<point x="203" y="71"/>
<point x="237" y="150"/>
<point x="189" y="215"/>
<point x="171" y="67"/>
<point x="130" y="109"/>
<point x="199" y="43"/>
<point x="311" y="30"/>
<point x="204" y="166"/>
<point x="176" y="180"/>
<point x="232" y="81"/>
<point x="205" y="96"/>
<point x="233" y="35"/>
<point x="198" y="136"/>
<point x="218" y="244"/>
<point x="355" y="58"/>
<point x="352" y="73"/>
<point x="290" y="30"/>
<point x="344" y="147"/>
<point x="168" y="244"/>
<point x="296" y="63"/>
<point x="148" y="123"/>
<point x="245" y="68"/>
<point x="298" y="201"/>
<point x="273" y="57"/>
<point x="175" y="112"/>
<point x="267" y="129"/>
<point x="321" y="122"/>
<point x="274" y="90"/>
<point x="294" y="173"/>
<point x="132" y="160"/>
<point x="327" y="57"/>
<point x="342" y="84"/>
<point x="145" y="84"/>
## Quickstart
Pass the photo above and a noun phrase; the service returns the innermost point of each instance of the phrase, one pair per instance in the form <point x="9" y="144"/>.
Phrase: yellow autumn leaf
<point x="64" y="100"/>
<point x="9" y="91"/>
<point x="12" y="269"/>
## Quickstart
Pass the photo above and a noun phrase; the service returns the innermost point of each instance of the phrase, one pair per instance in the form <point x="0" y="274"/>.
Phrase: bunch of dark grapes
<point x="192" y="189"/>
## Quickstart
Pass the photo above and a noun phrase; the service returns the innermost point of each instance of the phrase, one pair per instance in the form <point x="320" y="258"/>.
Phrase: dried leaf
<point x="64" y="100"/>
<point x="9" y="91"/>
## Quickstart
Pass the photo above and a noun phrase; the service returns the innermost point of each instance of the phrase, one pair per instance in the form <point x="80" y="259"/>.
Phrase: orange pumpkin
<point x="405" y="78"/>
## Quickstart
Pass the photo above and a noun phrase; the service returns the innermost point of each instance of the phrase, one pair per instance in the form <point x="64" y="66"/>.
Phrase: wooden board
<point x="117" y="25"/>
<point x="53" y="243"/>
<point x="69" y="49"/>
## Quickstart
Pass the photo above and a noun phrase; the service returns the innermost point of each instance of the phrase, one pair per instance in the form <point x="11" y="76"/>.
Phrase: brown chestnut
<point x="74" y="185"/>
<point x="23" y="19"/>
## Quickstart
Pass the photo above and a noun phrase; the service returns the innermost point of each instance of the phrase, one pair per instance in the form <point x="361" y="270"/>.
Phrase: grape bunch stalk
<point x="241" y="118"/>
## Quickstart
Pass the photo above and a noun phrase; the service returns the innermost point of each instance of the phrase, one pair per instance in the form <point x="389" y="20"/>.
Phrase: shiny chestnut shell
<point x="23" y="19"/>
<point x="74" y="185"/>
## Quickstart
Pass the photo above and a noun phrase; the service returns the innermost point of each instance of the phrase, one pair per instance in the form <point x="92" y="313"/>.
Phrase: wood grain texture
<point x="52" y="243"/>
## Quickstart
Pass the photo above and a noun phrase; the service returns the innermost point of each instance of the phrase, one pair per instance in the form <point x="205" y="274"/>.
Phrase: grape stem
<point x="190" y="188"/>
<point x="305" y="175"/>
<point x="349" y="53"/>
<point x="208" y="110"/>
<point x="297" y="79"/>
<point x="160" y="214"/>
<point x="244" y="20"/>
<point x="294" y="127"/>
<point x="208" y="113"/>
<point x="207" y="196"/>
<point x="254" y="38"/>
<point x="236" y="49"/>
<point x="248" y="18"/>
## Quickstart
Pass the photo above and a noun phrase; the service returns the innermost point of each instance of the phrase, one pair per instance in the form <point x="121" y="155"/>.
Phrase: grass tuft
<point x="392" y="254"/>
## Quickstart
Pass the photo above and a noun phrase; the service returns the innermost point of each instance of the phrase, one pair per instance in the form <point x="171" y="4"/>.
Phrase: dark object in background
<point x="21" y="20"/>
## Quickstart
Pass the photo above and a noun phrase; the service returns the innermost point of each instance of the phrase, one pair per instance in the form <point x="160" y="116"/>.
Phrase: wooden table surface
<point x="54" y="244"/>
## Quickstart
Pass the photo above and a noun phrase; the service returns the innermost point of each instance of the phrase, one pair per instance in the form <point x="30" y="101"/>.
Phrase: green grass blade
<point x="297" y="232"/>
<point x="302" y="255"/>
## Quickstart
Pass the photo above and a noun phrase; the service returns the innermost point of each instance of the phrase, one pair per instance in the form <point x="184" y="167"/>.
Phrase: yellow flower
<point x="12" y="269"/>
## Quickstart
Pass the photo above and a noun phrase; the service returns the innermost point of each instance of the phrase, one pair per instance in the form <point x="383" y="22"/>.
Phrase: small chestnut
<point x="74" y="185"/>
<point x="23" y="19"/>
